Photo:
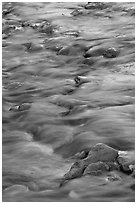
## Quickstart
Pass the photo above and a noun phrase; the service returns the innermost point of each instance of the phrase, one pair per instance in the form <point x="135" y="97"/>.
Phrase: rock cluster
<point x="100" y="158"/>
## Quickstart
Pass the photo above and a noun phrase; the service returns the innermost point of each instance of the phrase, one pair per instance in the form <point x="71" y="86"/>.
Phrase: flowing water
<point x="59" y="99"/>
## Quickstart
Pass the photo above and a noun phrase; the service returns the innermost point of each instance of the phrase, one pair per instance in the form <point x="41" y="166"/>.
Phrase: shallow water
<point x="48" y="115"/>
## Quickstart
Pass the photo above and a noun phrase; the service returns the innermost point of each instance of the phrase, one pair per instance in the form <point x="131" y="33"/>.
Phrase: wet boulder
<point x="101" y="152"/>
<point x="75" y="171"/>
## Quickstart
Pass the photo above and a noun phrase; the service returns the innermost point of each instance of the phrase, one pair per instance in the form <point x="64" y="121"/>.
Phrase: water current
<point x="68" y="84"/>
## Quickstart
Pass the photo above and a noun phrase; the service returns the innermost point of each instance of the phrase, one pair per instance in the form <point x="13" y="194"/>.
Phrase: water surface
<point x="49" y="116"/>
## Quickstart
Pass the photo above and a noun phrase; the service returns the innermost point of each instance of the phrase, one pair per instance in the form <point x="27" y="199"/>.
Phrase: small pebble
<point x="76" y="12"/>
<point x="80" y="80"/>
<point x="22" y="107"/>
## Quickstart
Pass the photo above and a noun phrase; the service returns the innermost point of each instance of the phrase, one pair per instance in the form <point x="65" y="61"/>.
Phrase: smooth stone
<point x="101" y="152"/>
<point x="111" y="52"/>
<point x="94" y="52"/>
<point x="105" y="52"/>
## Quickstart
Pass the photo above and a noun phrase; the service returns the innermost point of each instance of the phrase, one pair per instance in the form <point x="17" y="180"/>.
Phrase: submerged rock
<point x="21" y="107"/>
<point x="31" y="47"/>
<point x="72" y="50"/>
<point x="110" y="52"/>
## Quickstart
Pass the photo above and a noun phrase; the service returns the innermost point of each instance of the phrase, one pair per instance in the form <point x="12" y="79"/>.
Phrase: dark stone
<point x="22" y="107"/>
<point x="111" y="53"/>
<point x="80" y="80"/>
<point x="76" y="12"/>
<point x="96" y="5"/>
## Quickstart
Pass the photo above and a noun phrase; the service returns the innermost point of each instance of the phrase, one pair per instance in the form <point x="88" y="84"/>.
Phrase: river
<point x="68" y="76"/>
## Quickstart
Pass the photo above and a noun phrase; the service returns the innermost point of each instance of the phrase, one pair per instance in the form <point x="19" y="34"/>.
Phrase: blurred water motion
<point x="68" y="84"/>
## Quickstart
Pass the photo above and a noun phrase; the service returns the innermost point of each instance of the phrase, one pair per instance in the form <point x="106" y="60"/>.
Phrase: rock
<point x="94" y="52"/>
<point x="96" y="5"/>
<point x="81" y="155"/>
<point x="105" y="52"/>
<point x="101" y="152"/>
<point x="75" y="171"/>
<point x="80" y="80"/>
<point x="76" y="12"/>
<point x="31" y="47"/>
<point x="64" y="51"/>
<point x="97" y="160"/>
<point x="111" y="52"/>
<point x="21" y="107"/>
<point x="96" y="168"/>
<point x="125" y="165"/>
<point x="7" y="11"/>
